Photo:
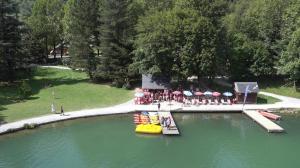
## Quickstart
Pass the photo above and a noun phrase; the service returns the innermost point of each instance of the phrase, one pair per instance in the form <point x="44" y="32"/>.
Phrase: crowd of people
<point x="154" y="96"/>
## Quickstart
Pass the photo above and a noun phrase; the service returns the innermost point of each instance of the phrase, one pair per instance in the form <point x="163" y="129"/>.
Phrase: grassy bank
<point x="62" y="87"/>
<point x="281" y="90"/>
<point x="262" y="99"/>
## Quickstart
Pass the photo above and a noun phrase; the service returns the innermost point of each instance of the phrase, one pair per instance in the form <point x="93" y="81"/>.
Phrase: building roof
<point x="150" y="82"/>
<point x="240" y="87"/>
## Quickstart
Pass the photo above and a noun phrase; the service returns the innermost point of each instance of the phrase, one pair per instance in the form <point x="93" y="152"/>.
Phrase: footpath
<point x="128" y="107"/>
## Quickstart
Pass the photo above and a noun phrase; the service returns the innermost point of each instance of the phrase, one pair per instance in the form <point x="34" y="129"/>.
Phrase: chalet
<point x="150" y="82"/>
<point x="240" y="90"/>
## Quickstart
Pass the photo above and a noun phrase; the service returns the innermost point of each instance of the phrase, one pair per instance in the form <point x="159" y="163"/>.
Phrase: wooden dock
<point x="263" y="121"/>
<point x="172" y="130"/>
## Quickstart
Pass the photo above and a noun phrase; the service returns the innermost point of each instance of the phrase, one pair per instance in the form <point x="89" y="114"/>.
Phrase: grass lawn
<point x="262" y="99"/>
<point x="71" y="89"/>
<point x="281" y="90"/>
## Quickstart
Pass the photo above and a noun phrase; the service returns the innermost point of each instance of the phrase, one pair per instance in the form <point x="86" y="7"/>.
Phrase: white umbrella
<point x="227" y="94"/>
<point x="139" y="94"/>
<point x="207" y="93"/>
<point x="187" y="93"/>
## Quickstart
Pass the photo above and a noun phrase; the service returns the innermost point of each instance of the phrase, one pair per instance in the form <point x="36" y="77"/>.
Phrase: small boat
<point x="153" y="116"/>
<point x="145" y="119"/>
<point x="137" y="119"/>
<point x="269" y="115"/>
<point x="148" y="128"/>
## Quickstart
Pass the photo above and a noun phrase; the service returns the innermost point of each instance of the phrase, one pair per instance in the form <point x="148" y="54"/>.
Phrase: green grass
<point x="71" y="89"/>
<point x="282" y="90"/>
<point x="262" y="99"/>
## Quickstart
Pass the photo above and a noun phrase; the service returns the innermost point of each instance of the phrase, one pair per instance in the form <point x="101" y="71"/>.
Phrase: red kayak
<point x="270" y="115"/>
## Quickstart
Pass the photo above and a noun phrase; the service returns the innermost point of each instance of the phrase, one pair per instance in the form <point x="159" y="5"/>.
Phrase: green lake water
<point x="207" y="140"/>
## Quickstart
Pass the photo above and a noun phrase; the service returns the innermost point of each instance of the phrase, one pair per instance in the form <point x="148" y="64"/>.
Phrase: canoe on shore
<point x="270" y="115"/>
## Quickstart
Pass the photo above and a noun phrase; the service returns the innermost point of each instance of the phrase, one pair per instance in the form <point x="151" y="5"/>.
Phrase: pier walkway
<point x="172" y="130"/>
<point x="263" y="121"/>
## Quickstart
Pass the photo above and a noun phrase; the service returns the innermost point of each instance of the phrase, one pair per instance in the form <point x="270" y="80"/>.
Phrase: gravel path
<point x="55" y="67"/>
<point x="286" y="102"/>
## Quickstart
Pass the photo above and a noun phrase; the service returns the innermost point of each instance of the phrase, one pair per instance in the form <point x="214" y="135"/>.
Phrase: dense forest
<point x="116" y="40"/>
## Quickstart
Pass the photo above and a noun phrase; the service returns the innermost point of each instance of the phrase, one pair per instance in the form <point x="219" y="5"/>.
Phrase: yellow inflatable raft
<point x="148" y="129"/>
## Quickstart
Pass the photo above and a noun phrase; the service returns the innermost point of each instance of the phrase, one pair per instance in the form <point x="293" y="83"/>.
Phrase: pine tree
<point x="115" y="44"/>
<point x="80" y="23"/>
<point x="9" y="39"/>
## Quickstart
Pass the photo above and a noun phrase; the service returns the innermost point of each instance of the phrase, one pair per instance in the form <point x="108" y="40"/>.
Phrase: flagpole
<point x="245" y="96"/>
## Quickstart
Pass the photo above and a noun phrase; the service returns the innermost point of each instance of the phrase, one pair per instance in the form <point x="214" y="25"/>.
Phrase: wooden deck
<point x="172" y="130"/>
<point x="263" y="121"/>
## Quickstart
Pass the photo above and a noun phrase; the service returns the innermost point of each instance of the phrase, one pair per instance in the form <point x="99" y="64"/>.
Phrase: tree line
<point x="116" y="40"/>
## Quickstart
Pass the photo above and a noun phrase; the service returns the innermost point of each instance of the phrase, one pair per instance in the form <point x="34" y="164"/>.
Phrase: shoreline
<point x="130" y="107"/>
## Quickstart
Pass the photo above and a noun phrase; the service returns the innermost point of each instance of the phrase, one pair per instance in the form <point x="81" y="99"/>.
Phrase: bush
<point x="66" y="61"/>
<point x="127" y="86"/>
<point x="24" y="90"/>
<point x="117" y="83"/>
<point x="30" y="126"/>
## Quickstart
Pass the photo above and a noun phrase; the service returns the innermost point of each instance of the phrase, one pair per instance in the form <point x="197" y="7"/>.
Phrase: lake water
<point x="207" y="140"/>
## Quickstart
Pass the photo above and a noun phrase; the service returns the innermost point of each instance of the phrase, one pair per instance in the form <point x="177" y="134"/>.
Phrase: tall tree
<point x="289" y="63"/>
<point x="116" y="42"/>
<point x="45" y="22"/>
<point x="25" y="7"/>
<point x="80" y="24"/>
<point x="175" y="43"/>
<point x="9" y="39"/>
<point x="254" y="32"/>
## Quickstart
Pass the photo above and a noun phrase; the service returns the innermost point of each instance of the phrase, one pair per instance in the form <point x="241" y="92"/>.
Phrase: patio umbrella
<point x="227" y="94"/>
<point x="187" y="93"/>
<point x="198" y="93"/>
<point x="139" y="94"/>
<point x="207" y="93"/>
<point x="166" y="92"/>
<point x="216" y="94"/>
<point x="177" y="93"/>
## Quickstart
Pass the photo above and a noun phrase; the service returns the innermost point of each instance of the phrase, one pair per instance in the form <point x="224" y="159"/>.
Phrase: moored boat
<point x="148" y="129"/>
<point x="269" y="115"/>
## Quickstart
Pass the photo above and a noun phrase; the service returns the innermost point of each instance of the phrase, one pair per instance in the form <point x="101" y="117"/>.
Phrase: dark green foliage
<point x="24" y="90"/>
<point x="80" y="22"/>
<point x="176" y="43"/>
<point x="254" y="31"/>
<point x="289" y="63"/>
<point x="25" y="7"/>
<point x="10" y="37"/>
<point x="30" y="126"/>
<point x="116" y="42"/>
<point x="45" y="23"/>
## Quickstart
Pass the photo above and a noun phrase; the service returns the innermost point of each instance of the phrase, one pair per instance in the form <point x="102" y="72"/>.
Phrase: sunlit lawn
<point x="281" y="90"/>
<point x="71" y="89"/>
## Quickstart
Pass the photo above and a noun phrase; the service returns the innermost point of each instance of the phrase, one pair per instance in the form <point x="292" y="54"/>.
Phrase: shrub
<point x="66" y="61"/>
<point x="127" y="86"/>
<point x="30" y="126"/>
<point x="117" y="83"/>
<point x="25" y="90"/>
